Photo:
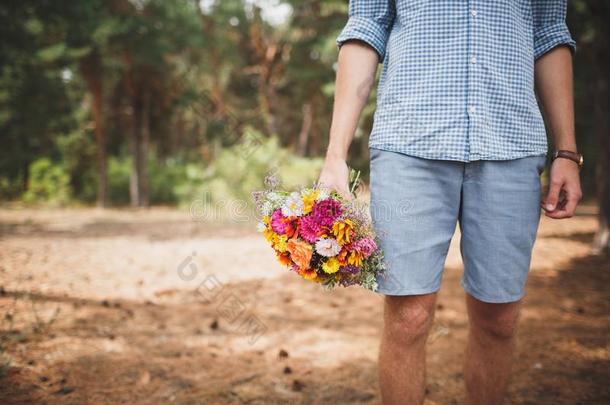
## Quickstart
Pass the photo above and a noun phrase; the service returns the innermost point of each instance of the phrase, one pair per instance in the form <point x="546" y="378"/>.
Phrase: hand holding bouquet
<point x="321" y="235"/>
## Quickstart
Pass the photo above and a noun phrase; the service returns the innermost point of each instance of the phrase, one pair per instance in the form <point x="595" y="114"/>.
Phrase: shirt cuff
<point x="551" y="37"/>
<point x="367" y="30"/>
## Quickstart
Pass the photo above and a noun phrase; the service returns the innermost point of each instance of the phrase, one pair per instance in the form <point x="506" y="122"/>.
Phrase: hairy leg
<point x="490" y="350"/>
<point x="402" y="358"/>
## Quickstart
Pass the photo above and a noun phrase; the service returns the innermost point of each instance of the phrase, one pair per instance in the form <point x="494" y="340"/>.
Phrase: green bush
<point x="163" y="178"/>
<point x="78" y="152"/>
<point x="10" y="188"/>
<point x="242" y="168"/>
<point x="119" y="173"/>
<point x="47" y="182"/>
<point x="230" y="178"/>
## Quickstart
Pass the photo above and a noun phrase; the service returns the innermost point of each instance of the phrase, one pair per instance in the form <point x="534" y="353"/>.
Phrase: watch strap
<point x="566" y="154"/>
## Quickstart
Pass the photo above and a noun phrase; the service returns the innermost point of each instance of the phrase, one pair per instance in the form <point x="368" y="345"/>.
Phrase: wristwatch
<point x="573" y="156"/>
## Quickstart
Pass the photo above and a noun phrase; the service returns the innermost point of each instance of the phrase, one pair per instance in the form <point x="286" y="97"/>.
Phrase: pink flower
<point x="326" y="211"/>
<point x="366" y="246"/>
<point x="309" y="228"/>
<point x="278" y="222"/>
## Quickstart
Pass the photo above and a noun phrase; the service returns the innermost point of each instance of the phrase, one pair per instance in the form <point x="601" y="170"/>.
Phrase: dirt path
<point x="154" y="307"/>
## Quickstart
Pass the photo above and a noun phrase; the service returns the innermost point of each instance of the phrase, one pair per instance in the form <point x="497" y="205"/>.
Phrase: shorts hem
<point x="505" y="299"/>
<point x="404" y="293"/>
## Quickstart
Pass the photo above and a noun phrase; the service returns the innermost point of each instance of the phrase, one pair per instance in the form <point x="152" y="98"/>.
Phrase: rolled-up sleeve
<point x="550" y="29"/>
<point x="369" y="21"/>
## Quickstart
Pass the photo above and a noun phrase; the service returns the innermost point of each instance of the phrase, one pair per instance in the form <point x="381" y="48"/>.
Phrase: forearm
<point x="357" y="64"/>
<point x="553" y="78"/>
<point x="553" y="75"/>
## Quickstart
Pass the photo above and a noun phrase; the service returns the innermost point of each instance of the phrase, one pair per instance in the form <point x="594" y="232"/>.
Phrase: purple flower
<point x="346" y="282"/>
<point x="350" y="269"/>
<point x="327" y="211"/>
<point x="309" y="229"/>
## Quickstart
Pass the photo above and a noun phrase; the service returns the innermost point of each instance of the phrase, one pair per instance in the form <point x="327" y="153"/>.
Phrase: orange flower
<point x="342" y="256"/>
<point x="300" y="252"/>
<point x="283" y="258"/>
<point x="308" y="274"/>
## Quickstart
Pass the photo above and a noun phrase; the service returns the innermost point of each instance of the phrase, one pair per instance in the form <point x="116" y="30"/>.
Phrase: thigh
<point x="499" y="220"/>
<point x="414" y="206"/>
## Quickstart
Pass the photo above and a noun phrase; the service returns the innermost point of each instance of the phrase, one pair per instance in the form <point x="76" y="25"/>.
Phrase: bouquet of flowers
<point x="320" y="235"/>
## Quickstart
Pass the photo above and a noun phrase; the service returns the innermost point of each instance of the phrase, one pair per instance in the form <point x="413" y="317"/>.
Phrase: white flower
<point x="267" y="208"/>
<point x="323" y="194"/>
<point x="327" y="247"/>
<point x="274" y="197"/>
<point x="306" y="191"/>
<point x="293" y="207"/>
<point x="261" y="227"/>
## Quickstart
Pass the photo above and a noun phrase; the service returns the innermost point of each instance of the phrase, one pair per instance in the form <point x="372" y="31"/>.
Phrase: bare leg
<point x="402" y="357"/>
<point x="491" y="345"/>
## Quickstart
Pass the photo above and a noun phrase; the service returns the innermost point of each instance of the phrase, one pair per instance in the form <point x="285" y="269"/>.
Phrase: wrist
<point x="336" y="155"/>
<point x="572" y="155"/>
<point x="565" y="143"/>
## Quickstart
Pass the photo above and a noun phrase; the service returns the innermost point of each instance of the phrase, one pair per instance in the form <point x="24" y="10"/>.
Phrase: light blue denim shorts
<point x="416" y="204"/>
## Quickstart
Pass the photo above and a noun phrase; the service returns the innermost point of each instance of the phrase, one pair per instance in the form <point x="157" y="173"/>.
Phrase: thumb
<point x="345" y="192"/>
<point x="552" y="197"/>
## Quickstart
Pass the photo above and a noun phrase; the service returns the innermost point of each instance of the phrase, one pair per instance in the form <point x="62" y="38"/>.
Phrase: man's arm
<point x="553" y="77"/>
<point x="362" y="46"/>
<point x="355" y="76"/>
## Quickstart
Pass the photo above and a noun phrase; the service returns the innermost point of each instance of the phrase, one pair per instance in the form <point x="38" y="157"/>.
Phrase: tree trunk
<point x="305" y="129"/>
<point x="138" y="146"/>
<point x="135" y="150"/>
<point x="144" y="142"/>
<point x="602" y="124"/>
<point x="91" y="69"/>
<point x="601" y="94"/>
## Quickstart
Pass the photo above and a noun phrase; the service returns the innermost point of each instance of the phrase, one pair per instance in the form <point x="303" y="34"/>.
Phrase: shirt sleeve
<point x="550" y="29"/>
<point x="369" y="21"/>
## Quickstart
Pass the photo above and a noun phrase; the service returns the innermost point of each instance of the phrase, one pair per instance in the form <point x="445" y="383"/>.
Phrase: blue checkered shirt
<point x="457" y="81"/>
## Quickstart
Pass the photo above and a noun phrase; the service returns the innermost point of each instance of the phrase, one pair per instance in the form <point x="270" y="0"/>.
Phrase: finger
<point x="552" y="197"/>
<point x="570" y="208"/>
<point x="565" y="209"/>
<point x="346" y="193"/>
<point x="572" y="199"/>
<point x="556" y="214"/>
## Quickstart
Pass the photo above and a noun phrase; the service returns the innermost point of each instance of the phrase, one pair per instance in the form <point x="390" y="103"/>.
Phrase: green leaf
<point x="52" y="53"/>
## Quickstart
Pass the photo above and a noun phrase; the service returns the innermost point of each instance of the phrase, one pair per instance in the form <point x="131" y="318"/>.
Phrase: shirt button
<point x="474" y="13"/>
<point x="473" y="60"/>
<point x="472" y="109"/>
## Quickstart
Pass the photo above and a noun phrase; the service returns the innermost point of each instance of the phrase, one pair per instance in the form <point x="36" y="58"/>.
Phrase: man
<point x="458" y="137"/>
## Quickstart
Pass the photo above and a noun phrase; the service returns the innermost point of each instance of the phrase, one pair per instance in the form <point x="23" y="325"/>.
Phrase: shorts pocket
<point x="540" y="164"/>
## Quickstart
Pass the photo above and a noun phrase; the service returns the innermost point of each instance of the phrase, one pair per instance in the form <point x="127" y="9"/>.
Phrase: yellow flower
<point x="355" y="258"/>
<point x="343" y="231"/>
<point x="269" y="235"/>
<point x="280" y="243"/>
<point x="331" y="266"/>
<point x="309" y="200"/>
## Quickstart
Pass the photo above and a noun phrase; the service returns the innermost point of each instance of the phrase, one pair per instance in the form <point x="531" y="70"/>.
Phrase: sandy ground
<point x="156" y="306"/>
